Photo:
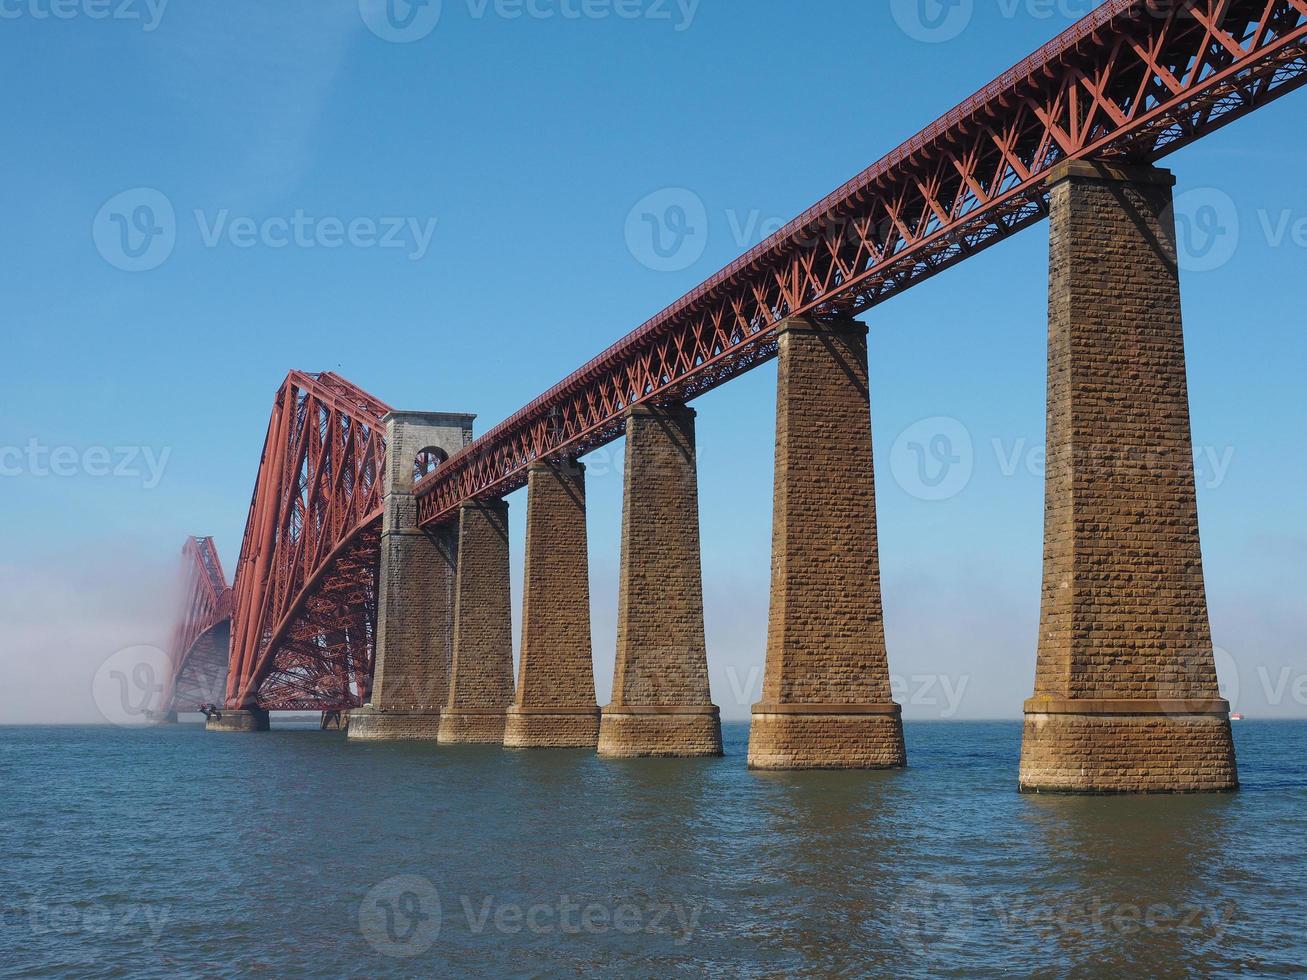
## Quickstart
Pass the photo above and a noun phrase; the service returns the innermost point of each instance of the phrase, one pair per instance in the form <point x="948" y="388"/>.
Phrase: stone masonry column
<point x="826" y="700"/>
<point x="1126" y="695"/>
<point x="555" y="705"/>
<point x="661" y="704"/>
<point x="237" y="720"/>
<point x="481" y="680"/>
<point x="415" y="590"/>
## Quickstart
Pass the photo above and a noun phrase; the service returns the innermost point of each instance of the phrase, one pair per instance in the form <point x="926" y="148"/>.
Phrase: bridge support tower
<point x="661" y="702"/>
<point x="481" y="678"/>
<point x="826" y="701"/>
<point x="237" y="720"/>
<point x="1126" y="696"/>
<point x="555" y="706"/>
<point x="415" y="590"/>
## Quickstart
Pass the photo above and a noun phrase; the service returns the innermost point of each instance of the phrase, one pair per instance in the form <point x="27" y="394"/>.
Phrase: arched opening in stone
<point x="427" y="462"/>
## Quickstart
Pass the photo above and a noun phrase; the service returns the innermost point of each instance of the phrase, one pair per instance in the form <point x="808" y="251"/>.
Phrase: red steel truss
<point x="1133" y="81"/>
<point x="200" y="641"/>
<point x="304" y="608"/>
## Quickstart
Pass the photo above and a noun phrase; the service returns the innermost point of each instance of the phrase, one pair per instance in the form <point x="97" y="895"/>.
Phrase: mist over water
<point x="153" y="852"/>
<point x="65" y="613"/>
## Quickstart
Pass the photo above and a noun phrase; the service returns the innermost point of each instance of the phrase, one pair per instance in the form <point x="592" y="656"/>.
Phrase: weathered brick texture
<point x="481" y="678"/>
<point x="826" y="699"/>
<point x="1124" y="610"/>
<point x="661" y="703"/>
<point x="237" y="720"/>
<point x="555" y="706"/>
<point x="415" y="592"/>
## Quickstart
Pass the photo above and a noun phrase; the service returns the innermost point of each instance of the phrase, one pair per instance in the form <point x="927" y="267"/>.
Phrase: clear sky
<point x="449" y="212"/>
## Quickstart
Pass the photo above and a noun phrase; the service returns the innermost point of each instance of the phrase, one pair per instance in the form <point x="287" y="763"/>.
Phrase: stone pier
<point x="826" y="701"/>
<point x="481" y="679"/>
<point x="555" y="706"/>
<point x="661" y="703"/>
<point x="415" y="596"/>
<point x="1126" y="695"/>
<point x="237" y="720"/>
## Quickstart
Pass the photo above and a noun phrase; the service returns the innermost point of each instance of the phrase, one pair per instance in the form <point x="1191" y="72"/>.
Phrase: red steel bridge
<point x="1132" y="82"/>
<point x="202" y="640"/>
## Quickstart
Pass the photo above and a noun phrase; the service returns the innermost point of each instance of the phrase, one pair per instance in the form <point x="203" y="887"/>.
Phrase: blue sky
<point x="506" y="159"/>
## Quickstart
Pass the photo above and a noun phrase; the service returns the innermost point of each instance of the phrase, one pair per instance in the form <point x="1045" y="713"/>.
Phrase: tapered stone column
<point x="826" y="700"/>
<point x="1126" y="695"/>
<point x="415" y="590"/>
<point x="555" y="706"/>
<point x="481" y="681"/>
<point x="661" y="704"/>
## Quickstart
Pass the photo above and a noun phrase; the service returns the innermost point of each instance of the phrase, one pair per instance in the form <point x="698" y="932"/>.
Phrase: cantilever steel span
<point x="305" y="598"/>
<point x="1133" y="81"/>
<point x="199" y="653"/>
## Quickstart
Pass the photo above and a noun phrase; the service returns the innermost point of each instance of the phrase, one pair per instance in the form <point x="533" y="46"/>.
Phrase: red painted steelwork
<point x="199" y="650"/>
<point x="1133" y="81"/>
<point x="304" y="609"/>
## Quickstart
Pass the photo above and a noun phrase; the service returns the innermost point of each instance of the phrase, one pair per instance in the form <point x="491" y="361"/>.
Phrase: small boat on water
<point x="1236" y="717"/>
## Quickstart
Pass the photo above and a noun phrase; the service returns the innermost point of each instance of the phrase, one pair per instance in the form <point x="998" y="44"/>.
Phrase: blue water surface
<point x="169" y="851"/>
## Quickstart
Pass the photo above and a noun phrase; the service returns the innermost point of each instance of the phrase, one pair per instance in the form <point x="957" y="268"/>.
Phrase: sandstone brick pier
<point x="481" y="679"/>
<point x="555" y="706"/>
<point x="826" y="693"/>
<point x="1126" y="693"/>
<point x="661" y="704"/>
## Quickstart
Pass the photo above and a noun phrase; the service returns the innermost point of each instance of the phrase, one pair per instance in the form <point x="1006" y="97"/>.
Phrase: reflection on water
<point x="166" y="851"/>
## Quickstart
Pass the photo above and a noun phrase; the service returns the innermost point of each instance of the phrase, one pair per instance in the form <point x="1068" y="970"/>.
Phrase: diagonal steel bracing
<point x="1133" y="81"/>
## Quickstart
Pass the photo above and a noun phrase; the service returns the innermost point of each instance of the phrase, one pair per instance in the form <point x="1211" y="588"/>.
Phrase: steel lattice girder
<point x="1133" y="81"/>
<point x="304" y="609"/>
<point x="199" y="651"/>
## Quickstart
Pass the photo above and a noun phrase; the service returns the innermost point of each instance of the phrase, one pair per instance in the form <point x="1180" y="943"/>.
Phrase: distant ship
<point x="1236" y="717"/>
